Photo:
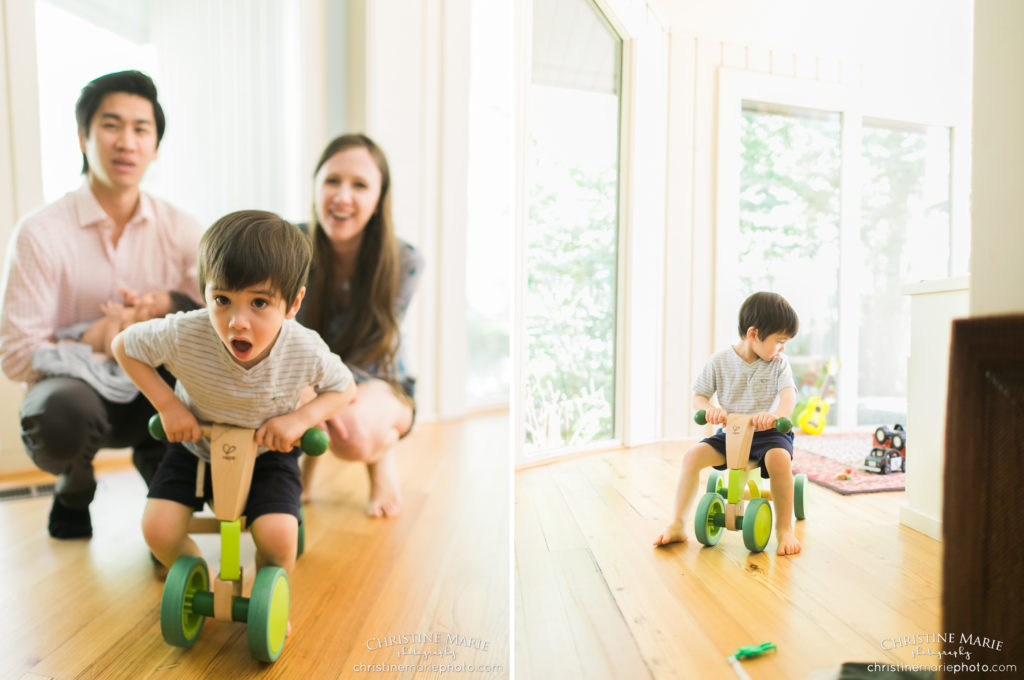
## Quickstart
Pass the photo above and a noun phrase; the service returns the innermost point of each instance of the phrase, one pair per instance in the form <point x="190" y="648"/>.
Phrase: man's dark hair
<point x="249" y="247"/>
<point x="129" y="82"/>
<point x="768" y="313"/>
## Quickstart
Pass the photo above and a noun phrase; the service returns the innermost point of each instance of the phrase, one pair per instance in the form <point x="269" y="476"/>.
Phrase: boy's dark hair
<point x="130" y="82"/>
<point x="768" y="313"/>
<point x="181" y="302"/>
<point x="248" y="247"/>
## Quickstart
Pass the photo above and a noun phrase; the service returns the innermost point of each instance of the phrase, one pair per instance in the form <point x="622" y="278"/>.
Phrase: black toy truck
<point x="889" y="453"/>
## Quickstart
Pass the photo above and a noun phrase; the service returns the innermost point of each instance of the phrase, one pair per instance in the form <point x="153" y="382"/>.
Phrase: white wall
<point x="917" y="43"/>
<point x="416" y="106"/>
<point x="243" y="87"/>
<point x="997" y="244"/>
<point x="914" y="55"/>
<point x="643" y="221"/>
<point x="21" y="185"/>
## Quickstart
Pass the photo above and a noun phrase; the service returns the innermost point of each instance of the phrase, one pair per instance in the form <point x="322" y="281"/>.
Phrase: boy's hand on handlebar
<point x="715" y="416"/>
<point x="281" y="433"/>
<point x="179" y="424"/>
<point x="764" y="420"/>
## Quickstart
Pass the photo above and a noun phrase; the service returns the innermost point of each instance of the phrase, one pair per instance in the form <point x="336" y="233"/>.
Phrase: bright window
<point x="571" y="253"/>
<point x="71" y="51"/>
<point x="490" y="224"/>
<point x="835" y="211"/>
<point x="905" y="235"/>
<point x="789" y="223"/>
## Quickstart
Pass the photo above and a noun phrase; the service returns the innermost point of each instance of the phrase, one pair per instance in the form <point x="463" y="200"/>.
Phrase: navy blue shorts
<point x="764" y="441"/>
<point x="276" y="483"/>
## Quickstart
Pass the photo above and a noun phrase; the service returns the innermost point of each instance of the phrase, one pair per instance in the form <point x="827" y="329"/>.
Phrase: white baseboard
<point x="919" y="521"/>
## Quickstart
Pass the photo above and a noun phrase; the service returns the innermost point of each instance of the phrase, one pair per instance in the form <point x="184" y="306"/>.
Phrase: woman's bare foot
<point x="385" y="495"/>
<point x="788" y="542"/>
<point x="673" y="533"/>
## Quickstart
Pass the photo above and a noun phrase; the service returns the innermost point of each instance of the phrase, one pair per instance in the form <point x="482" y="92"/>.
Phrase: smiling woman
<point x="362" y="281"/>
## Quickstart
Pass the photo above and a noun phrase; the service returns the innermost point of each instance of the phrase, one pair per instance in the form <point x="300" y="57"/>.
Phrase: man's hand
<point x="112" y="309"/>
<point x="131" y="297"/>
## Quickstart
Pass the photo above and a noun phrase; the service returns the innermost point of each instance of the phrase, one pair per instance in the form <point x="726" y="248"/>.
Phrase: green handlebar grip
<point x="315" y="441"/>
<point x="156" y="427"/>
<point x="783" y="425"/>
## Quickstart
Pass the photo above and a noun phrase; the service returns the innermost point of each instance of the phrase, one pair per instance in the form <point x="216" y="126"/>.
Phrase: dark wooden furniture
<point x="983" y="508"/>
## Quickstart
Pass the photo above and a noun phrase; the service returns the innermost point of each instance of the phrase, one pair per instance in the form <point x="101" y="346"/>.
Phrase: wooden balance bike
<point x="722" y="506"/>
<point x="187" y="598"/>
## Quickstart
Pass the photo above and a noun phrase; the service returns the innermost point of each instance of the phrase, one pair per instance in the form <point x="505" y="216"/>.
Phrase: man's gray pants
<point x="64" y="422"/>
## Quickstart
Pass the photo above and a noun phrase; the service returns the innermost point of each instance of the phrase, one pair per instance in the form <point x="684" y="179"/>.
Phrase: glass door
<point x="571" y="231"/>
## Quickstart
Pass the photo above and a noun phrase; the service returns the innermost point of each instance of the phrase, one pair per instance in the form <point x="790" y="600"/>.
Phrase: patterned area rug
<point x="824" y="457"/>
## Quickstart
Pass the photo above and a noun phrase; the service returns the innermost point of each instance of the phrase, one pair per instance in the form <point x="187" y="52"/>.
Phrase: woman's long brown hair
<point x="373" y="334"/>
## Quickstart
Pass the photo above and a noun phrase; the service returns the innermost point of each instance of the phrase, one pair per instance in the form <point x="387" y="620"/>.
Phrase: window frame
<point x="641" y="195"/>
<point x="854" y="106"/>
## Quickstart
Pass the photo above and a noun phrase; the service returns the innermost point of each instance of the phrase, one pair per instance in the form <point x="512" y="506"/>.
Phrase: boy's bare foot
<point x="788" y="543"/>
<point x="385" y="495"/>
<point x="673" y="533"/>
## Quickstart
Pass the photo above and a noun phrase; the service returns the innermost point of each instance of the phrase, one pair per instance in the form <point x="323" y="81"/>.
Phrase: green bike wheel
<point x="800" y="496"/>
<point x="268" y="614"/>
<point x="757" y="525"/>
<point x="302" y="533"/>
<point x="178" y="623"/>
<point x="709" y="519"/>
<point x="715" y="482"/>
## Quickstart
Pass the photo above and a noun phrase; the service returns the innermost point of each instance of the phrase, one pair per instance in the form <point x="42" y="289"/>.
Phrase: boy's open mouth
<point x="241" y="346"/>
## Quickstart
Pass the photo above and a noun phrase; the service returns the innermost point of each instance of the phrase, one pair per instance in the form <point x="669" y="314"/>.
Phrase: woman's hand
<point x="336" y="429"/>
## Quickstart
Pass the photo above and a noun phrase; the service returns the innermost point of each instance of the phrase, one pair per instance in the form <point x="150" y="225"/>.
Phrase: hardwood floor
<point x="91" y="608"/>
<point x="594" y="599"/>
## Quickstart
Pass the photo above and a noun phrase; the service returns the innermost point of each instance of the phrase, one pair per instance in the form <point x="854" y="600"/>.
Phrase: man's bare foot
<point x="385" y="495"/>
<point x="788" y="543"/>
<point x="673" y="533"/>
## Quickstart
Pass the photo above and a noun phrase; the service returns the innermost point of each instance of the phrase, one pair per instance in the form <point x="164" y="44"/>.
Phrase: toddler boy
<point x="752" y="376"/>
<point x="243" y="361"/>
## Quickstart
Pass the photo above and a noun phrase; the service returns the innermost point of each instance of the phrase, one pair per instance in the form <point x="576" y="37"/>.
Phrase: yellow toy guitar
<point x="812" y="418"/>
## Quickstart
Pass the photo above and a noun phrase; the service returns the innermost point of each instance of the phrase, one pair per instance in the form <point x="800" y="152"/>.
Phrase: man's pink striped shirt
<point x="61" y="265"/>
